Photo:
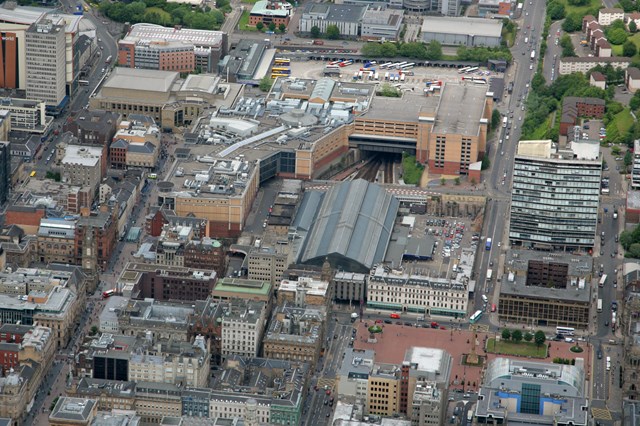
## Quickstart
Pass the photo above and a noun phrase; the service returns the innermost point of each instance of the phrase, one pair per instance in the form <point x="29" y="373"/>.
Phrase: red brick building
<point x="207" y="252"/>
<point x="118" y="154"/>
<point x="104" y="227"/>
<point x="25" y="217"/>
<point x="156" y="221"/>
<point x="9" y="356"/>
<point x="574" y="108"/>
<point x="13" y="333"/>
<point x="268" y="12"/>
<point x="166" y="283"/>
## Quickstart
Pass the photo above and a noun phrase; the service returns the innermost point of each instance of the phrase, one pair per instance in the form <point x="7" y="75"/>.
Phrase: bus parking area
<point x="399" y="72"/>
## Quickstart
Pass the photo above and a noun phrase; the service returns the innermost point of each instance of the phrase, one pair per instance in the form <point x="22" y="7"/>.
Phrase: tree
<point x="506" y="334"/>
<point x="94" y="330"/>
<point x="573" y="22"/>
<point x="413" y="50"/>
<point x="528" y="337"/>
<point x="282" y="28"/>
<point x="333" y="32"/>
<point x="434" y="50"/>
<point x="272" y="26"/>
<point x="615" y="150"/>
<point x="516" y="336"/>
<point x="579" y="2"/>
<point x="457" y="181"/>
<point x="540" y="338"/>
<point x="260" y="26"/>
<point x="556" y="10"/>
<point x="617" y="36"/>
<point x="443" y="181"/>
<point x="265" y="83"/>
<point x="628" y="158"/>
<point x="495" y="119"/>
<point x="629" y="49"/>
<point x="315" y="32"/>
<point x="633" y="28"/>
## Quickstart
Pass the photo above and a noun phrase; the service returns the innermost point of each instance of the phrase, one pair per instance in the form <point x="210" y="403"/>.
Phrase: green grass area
<point x="616" y="50"/>
<point x="249" y="1"/>
<point x="541" y="131"/>
<point x="243" y="23"/>
<point x="582" y="10"/>
<point x="512" y="348"/>
<point x="623" y="120"/>
<point x="412" y="170"/>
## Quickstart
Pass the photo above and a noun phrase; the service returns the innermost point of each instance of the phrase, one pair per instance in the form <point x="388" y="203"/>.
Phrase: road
<point x="502" y="148"/>
<point x="81" y="98"/>
<point x="318" y="408"/>
<point x="553" y="54"/>
<point x="55" y="378"/>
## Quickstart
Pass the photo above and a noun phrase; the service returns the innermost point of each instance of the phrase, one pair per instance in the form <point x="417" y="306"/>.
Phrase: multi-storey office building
<point x="555" y="195"/>
<point x="45" y="44"/>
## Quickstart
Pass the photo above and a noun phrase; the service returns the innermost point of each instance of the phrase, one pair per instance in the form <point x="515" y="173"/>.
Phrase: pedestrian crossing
<point x="601" y="413"/>
<point x="325" y="381"/>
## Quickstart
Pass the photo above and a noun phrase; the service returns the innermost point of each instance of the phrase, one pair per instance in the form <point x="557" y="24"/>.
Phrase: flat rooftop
<point x="237" y="285"/>
<point x="408" y="107"/>
<point x="460" y="109"/>
<point x="460" y="25"/>
<point x="200" y="38"/>
<point x="209" y="177"/>
<point x="140" y="79"/>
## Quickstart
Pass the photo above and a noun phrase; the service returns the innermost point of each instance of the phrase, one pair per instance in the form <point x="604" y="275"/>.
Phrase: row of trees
<point x="332" y="32"/>
<point x="167" y="14"/>
<point x="272" y="27"/>
<point x="517" y="336"/>
<point x="431" y="51"/>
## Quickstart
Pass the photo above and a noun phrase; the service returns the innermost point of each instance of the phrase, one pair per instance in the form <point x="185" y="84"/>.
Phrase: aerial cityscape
<point x="314" y="213"/>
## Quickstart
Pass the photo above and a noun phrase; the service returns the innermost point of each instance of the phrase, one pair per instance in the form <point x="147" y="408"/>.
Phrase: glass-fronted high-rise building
<point x="555" y="195"/>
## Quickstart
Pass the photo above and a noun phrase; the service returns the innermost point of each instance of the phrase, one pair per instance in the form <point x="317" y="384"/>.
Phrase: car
<point x="606" y="323"/>
<point x="388" y="321"/>
<point x="102" y="71"/>
<point x="490" y="263"/>
<point x="499" y="243"/>
<point x="601" y="252"/>
<point x="619" y="158"/>
<point x="326" y="402"/>
<point x="328" y="414"/>
<point x="501" y="152"/>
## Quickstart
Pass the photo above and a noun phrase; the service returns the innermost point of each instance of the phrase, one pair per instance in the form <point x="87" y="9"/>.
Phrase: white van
<point x="485" y="299"/>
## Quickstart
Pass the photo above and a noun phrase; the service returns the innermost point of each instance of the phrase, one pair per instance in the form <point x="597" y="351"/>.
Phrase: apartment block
<point x="632" y="79"/>
<point x="574" y="108"/>
<point x="607" y="15"/>
<point x="295" y="333"/>
<point x="243" y="325"/>
<point x="556" y="195"/>
<point x="45" y="44"/>
<point x="404" y="292"/>
<point x="584" y="64"/>
<point x="546" y="289"/>
<point x="635" y="170"/>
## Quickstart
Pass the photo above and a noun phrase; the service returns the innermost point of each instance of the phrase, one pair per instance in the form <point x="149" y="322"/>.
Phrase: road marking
<point x="601" y="413"/>
<point x="324" y="381"/>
